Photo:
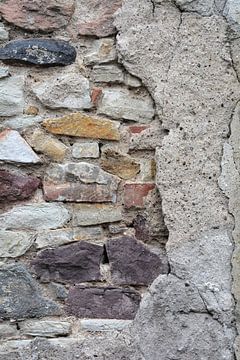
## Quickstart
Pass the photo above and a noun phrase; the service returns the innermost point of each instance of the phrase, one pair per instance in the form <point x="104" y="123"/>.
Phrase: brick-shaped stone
<point x="11" y="95"/>
<point x="43" y="15"/>
<point x="93" y="214"/>
<point x="134" y="194"/>
<point x="73" y="263"/>
<point x="102" y="302"/>
<point x="84" y="126"/>
<point x="132" y="263"/>
<point x="85" y="150"/>
<point x="15" y="186"/>
<point x="45" y="328"/>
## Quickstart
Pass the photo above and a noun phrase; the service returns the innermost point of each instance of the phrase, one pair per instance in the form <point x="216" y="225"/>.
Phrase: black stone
<point x="20" y="295"/>
<point x="72" y="264"/>
<point x="102" y="302"/>
<point x="132" y="263"/>
<point x="44" y="52"/>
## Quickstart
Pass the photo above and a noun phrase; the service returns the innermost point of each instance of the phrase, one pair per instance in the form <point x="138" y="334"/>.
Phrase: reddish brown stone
<point x="43" y="15"/>
<point x="102" y="302"/>
<point x="137" y="129"/>
<point x="141" y="227"/>
<point x="96" y="17"/>
<point x="73" y="263"/>
<point x="95" y="95"/>
<point x="15" y="186"/>
<point x="134" y="194"/>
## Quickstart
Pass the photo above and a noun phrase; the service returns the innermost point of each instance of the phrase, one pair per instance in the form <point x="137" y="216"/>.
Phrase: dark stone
<point x="45" y="52"/>
<point x="15" y="186"/>
<point x="102" y="302"/>
<point x="140" y="225"/>
<point x="132" y="263"/>
<point x="20" y="295"/>
<point x="73" y="263"/>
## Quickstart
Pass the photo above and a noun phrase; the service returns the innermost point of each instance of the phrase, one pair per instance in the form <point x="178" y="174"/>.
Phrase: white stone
<point x="107" y="73"/>
<point x="22" y="122"/>
<point x="35" y="216"/>
<point x="123" y="104"/>
<point x="88" y="214"/>
<point x="11" y="95"/>
<point x="132" y="81"/>
<point x="94" y="325"/>
<point x="13" y="244"/>
<point x="13" y="148"/>
<point x="232" y="13"/>
<point x="7" y="329"/>
<point x="69" y="90"/>
<point x="45" y="328"/>
<point x="4" y="71"/>
<point x="3" y="33"/>
<point x="100" y="51"/>
<point x="85" y="150"/>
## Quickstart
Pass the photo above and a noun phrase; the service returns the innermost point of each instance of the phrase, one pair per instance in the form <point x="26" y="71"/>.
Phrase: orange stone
<point x="85" y="126"/>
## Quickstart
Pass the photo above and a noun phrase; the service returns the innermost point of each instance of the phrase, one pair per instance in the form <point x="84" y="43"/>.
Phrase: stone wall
<point x="119" y="179"/>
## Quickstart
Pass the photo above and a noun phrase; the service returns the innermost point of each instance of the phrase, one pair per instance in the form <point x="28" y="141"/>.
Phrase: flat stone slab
<point x="43" y="15"/>
<point x="102" y="302"/>
<point x="15" y="186"/>
<point x="93" y="214"/>
<point x="132" y="263"/>
<point x="14" y="244"/>
<point x="73" y="263"/>
<point x="45" y="328"/>
<point x="44" y="52"/>
<point x="11" y="95"/>
<point x="93" y="325"/>
<point x="20" y="295"/>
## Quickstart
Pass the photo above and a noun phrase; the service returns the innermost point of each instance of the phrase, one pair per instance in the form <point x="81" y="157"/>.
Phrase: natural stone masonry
<point x="11" y="95"/>
<point x="45" y="328"/>
<point x="85" y="214"/>
<point x="100" y="51"/>
<point x="14" y="244"/>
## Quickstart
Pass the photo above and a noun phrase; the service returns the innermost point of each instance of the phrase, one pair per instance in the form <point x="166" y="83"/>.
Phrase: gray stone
<point x="117" y="229"/>
<point x="35" y="216"/>
<point x="11" y="95"/>
<point x="203" y="7"/>
<point x="87" y="214"/>
<point x="22" y="122"/>
<point x="68" y="90"/>
<point x="94" y="325"/>
<point x="232" y="13"/>
<point x="20" y="295"/>
<point x="147" y="139"/>
<point x="85" y="150"/>
<point x="123" y="104"/>
<point x="14" y="244"/>
<point x="58" y="291"/>
<point x="13" y="148"/>
<point x="4" y="71"/>
<point x="102" y="302"/>
<point x="4" y="35"/>
<point x="45" y="328"/>
<point x="100" y="51"/>
<point x="107" y="74"/>
<point x="8" y="330"/>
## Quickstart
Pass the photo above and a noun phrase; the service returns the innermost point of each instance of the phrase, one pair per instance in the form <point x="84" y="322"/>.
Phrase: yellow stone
<point x="85" y="126"/>
<point x="47" y="145"/>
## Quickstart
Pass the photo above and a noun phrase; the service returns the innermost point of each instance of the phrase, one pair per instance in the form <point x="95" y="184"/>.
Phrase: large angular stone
<point x="43" y="15"/>
<point x="14" y="244"/>
<point x="67" y="90"/>
<point x="84" y="126"/>
<point x="100" y="51"/>
<point x="45" y="328"/>
<point x="46" y="52"/>
<point x="96" y="17"/>
<point x="20" y="295"/>
<point x="102" y="302"/>
<point x="73" y="263"/>
<point x="13" y="148"/>
<point x="15" y="186"/>
<point x="11" y="95"/>
<point x="79" y="182"/>
<point x="119" y="164"/>
<point x="35" y="216"/>
<point x="88" y="214"/>
<point x="124" y="104"/>
<point x="132" y="263"/>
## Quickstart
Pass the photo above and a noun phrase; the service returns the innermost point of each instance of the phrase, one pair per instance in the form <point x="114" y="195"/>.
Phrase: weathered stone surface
<point x="14" y="244"/>
<point x="15" y="186"/>
<point x="45" y="52"/>
<point x="4" y="71"/>
<point x="58" y="291"/>
<point x="79" y="182"/>
<point x="20" y="295"/>
<point x="96" y="95"/>
<point x="31" y="110"/>
<point x="87" y="214"/>
<point x="134" y="194"/>
<point x="43" y="143"/>
<point x="117" y="229"/>
<point x="132" y="263"/>
<point x="11" y="95"/>
<point x="119" y="164"/>
<point x="123" y="104"/>
<point x="55" y="238"/>
<point x="43" y="15"/>
<point x="45" y="328"/>
<point x="13" y="148"/>
<point x="93" y="325"/>
<point x="96" y="17"/>
<point x="232" y="13"/>
<point x="8" y="330"/>
<point x="147" y="170"/>
<point x="73" y="263"/>
<point x="22" y="122"/>
<point x="35" y="216"/>
<point x="68" y="90"/>
<point x="96" y="302"/>
<point x="203" y="7"/>
<point x="85" y="150"/>
<point x="147" y="138"/>
<point x="107" y="74"/>
<point x="85" y="126"/>
<point x="101" y="51"/>
<point x="3" y="33"/>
